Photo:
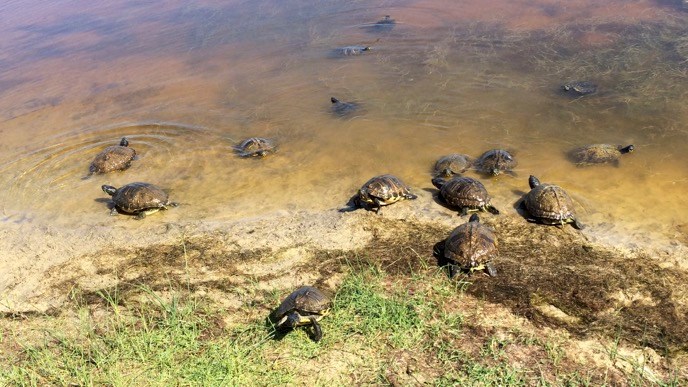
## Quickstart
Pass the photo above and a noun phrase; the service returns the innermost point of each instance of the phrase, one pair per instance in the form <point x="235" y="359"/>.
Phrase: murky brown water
<point x="186" y="82"/>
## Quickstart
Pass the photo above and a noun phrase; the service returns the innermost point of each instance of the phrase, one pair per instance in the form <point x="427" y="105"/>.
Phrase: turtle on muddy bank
<point x="138" y="199"/>
<point x="305" y="306"/>
<point x="470" y="247"/>
<point x="548" y="204"/>
<point x="379" y="191"/>
<point x="113" y="158"/>
<point x="464" y="193"/>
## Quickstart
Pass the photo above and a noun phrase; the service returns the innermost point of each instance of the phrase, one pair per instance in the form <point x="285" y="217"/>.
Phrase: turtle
<point x="381" y="191"/>
<point x="384" y="24"/>
<point x="138" y="199"/>
<point x="465" y="193"/>
<point x="113" y="158"/>
<point x="599" y="154"/>
<point x="453" y="164"/>
<point x="350" y="51"/>
<point x="343" y="109"/>
<point x="304" y="306"/>
<point x="471" y="247"/>
<point x="579" y="88"/>
<point x="548" y="204"/>
<point x="255" y="147"/>
<point x="496" y="161"/>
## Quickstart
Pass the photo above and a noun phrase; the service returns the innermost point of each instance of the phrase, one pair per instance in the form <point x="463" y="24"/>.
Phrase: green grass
<point x="382" y="329"/>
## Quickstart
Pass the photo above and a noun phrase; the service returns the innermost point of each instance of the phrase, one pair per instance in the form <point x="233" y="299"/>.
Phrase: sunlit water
<point x="186" y="82"/>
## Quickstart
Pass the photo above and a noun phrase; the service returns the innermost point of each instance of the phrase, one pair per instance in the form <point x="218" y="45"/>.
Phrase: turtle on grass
<point x="599" y="154"/>
<point x="548" y="204"/>
<point x="470" y="247"/>
<point x="304" y="306"/>
<point x="138" y="199"/>
<point x="255" y="147"/>
<point x="465" y="193"/>
<point x="113" y="158"/>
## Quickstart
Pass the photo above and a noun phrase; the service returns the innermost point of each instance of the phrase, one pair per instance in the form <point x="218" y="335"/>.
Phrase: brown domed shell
<point x="383" y="190"/>
<point x="255" y="147"/>
<point x="472" y="245"/>
<point x="496" y="161"/>
<point x="113" y="158"/>
<point x="549" y="204"/>
<point x="452" y="164"/>
<point x="465" y="193"/>
<point x="599" y="153"/>
<point x="134" y="198"/>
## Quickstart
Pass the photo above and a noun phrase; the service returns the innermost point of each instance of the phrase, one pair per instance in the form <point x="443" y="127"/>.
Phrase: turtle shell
<point x="134" y="198"/>
<point x="599" y="153"/>
<point x="549" y="204"/>
<point x="452" y="164"/>
<point x="113" y="158"/>
<point x="350" y="51"/>
<point x="307" y="301"/>
<point x="383" y="190"/>
<point x="579" y="88"/>
<point x="472" y="245"/>
<point x="465" y="193"/>
<point x="255" y="147"/>
<point x="496" y="161"/>
<point x="343" y="109"/>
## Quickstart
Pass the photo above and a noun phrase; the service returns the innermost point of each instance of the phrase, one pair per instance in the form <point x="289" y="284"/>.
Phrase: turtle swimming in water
<point x="548" y="204"/>
<point x="381" y="191"/>
<point x="255" y="147"/>
<point x="453" y="164"/>
<point x="113" y="158"/>
<point x="138" y="199"/>
<point x="579" y="88"/>
<point x="382" y="25"/>
<point x="599" y="154"/>
<point x="343" y="109"/>
<point x="471" y="247"/>
<point x="304" y="306"/>
<point x="350" y="51"/>
<point x="496" y="161"/>
<point x="465" y="193"/>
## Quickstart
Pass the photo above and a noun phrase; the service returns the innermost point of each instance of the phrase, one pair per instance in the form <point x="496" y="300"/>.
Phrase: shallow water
<point x="184" y="83"/>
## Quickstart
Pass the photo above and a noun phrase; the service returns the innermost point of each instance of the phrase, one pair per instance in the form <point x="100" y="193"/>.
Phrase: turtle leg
<point x="141" y="215"/>
<point x="113" y="211"/>
<point x="378" y="205"/>
<point x="490" y="269"/>
<point x="453" y="269"/>
<point x="576" y="224"/>
<point x="464" y="211"/>
<point x="411" y="196"/>
<point x="317" y="331"/>
<point x="491" y="209"/>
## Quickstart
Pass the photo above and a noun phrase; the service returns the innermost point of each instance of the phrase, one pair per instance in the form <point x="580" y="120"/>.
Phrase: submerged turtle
<point x="579" y="88"/>
<point x="343" y="109"/>
<point x="139" y="199"/>
<point x="472" y="246"/>
<point x="384" y="24"/>
<point x="496" y="161"/>
<point x="382" y="191"/>
<point x="113" y="158"/>
<point x="304" y="306"/>
<point x="255" y="147"/>
<point x="548" y="204"/>
<point x="452" y="164"/>
<point x="350" y="51"/>
<point x="465" y="193"/>
<point x="599" y="153"/>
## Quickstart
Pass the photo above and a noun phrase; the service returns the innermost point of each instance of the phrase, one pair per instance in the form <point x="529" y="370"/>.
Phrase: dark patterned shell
<point x="305" y="300"/>
<point x="113" y="158"/>
<point x="598" y="153"/>
<point x="452" y="164"/>
<point x="387" y="189"/>
<point x="496" y="161"/>
<point x="471" y="244"/>
<point x="136" y="197"/>
<point x="464" y="192"/>
<point x="254" y="147"/>
<point x="550" y="204"/>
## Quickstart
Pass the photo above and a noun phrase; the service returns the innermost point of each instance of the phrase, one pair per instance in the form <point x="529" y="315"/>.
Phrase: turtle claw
<point x="113" y="211"/>
<point x="490" y="269"/>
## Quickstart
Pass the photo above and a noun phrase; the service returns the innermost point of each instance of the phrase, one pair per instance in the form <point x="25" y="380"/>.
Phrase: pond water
<point x="185" y="82"/>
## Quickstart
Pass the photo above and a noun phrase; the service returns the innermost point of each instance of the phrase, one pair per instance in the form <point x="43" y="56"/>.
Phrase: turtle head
<point x="474" y="218"/>
<point x="334" y="100"/>
<point x="627" y="149"/>
<point x="108" y="189"/>
<point x="495" y="171"/>
<point x="124" y="142"/>
<point x="533" y="181"/>
<point x="363" y="196"/>
<point x="367" y="48"/>
<point x="290" y="320"/>
<point x="438" y="182"/>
